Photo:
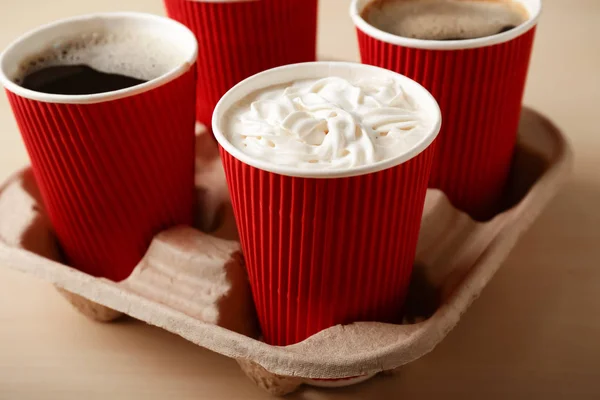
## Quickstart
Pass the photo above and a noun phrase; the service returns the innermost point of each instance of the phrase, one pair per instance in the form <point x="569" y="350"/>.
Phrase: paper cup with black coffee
<point x="473" y="56"/>
<point x="239" y="38"/>
<point x="327" y="165"/>
<point x="105" y="106"/>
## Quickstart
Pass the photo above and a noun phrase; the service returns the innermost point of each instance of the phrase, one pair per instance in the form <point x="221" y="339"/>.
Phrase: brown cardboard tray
<point x="193" y="284"/>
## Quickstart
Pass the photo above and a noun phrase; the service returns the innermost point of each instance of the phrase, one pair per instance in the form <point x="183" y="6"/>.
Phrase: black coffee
<point x="76" y="80"/>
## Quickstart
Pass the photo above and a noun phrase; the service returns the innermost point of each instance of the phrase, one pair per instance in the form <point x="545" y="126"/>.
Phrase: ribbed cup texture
<point x="113" y="174"/>
<point x="239" y="39"/>
<point x="322" y="252"/>
<point x="480" y="92"/>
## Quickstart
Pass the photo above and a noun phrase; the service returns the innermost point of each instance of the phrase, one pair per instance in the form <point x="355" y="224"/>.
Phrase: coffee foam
<point x="141" y="55"/>
<point x="444" y="19"/>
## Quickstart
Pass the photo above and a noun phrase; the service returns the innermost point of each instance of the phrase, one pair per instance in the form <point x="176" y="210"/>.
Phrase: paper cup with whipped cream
<point x="327" y="164"/>
<point x="474" y="57"/>
<point x="239" y="38"/>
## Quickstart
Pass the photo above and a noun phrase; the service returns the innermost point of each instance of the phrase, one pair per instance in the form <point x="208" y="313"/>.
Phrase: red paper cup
<point x="240" y="38"/>
<point x="479" y="84"/>
<point x="113" y="168"/>
<point x="326" y="247"/>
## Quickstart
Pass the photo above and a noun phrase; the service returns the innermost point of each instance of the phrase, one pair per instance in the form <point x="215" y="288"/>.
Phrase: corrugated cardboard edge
<point x="393" y="345"/>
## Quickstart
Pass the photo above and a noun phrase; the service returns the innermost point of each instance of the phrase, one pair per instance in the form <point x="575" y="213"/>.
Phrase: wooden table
<point x="534" y="333"/>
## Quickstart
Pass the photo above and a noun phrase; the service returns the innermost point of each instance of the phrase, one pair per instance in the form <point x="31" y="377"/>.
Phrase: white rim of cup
<point x="533" y="7"/>
<point x="289" y="73"/>
<point x="187" y="37"/>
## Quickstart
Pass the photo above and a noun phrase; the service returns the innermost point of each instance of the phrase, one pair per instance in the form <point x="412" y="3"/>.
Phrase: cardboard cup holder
<point x="193" y="283"/>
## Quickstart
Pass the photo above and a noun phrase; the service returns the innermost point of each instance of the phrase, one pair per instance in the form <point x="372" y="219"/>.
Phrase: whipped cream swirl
<point x="328" y="123"/>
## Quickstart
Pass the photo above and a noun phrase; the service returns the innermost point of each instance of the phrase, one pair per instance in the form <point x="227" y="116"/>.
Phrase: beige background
<point x="534" y="333"/>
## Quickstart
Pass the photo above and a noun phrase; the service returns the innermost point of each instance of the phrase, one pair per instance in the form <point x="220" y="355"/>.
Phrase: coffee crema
<point x="97" y="62"/>
<point x="445" y="19"/>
